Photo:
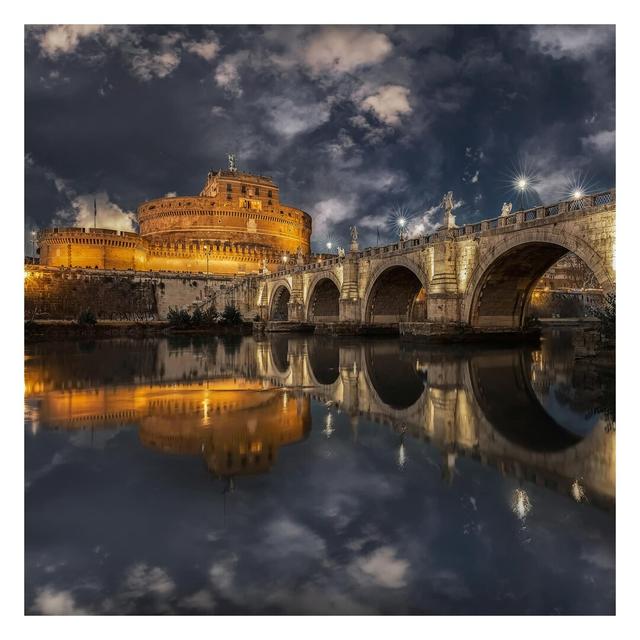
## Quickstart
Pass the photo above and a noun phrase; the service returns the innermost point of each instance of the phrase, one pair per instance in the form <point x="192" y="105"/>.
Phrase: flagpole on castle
<point x="95" y="214"/>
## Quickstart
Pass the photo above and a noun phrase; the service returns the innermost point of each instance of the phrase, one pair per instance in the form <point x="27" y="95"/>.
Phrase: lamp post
<point x="329" y="246"/>
<point x="206" y="253"/>
<point x="402" y="224"/>
<point x="522" y="185"/>
<point x="33" y="244"/>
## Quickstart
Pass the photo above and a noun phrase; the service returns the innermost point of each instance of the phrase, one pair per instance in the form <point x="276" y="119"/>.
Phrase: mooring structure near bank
<point x="478" y="276"/>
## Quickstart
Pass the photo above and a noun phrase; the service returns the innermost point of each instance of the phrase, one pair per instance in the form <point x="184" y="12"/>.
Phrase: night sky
<point x="355" y="124"/>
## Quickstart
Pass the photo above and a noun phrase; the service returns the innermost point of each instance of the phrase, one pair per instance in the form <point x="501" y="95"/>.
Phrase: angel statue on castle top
<point x="506" y="209"/>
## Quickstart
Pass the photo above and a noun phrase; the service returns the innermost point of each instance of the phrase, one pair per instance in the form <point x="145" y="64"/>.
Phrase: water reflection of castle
<point x="236" y="403"/>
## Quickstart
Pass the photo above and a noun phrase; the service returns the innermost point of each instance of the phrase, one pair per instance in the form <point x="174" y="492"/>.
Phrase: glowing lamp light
<point x="402" y="222"/>
<point x="577" y="194"/>
<point x="329" y="245"/>
<point x="26" y="275"/>
<point x="522" y="184"/>
<point x="284" y="259"/>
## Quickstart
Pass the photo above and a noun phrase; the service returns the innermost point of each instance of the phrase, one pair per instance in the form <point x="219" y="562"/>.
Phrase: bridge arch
<point x="499" y="290"/>
<point x="279" y="309"/>
<point x="323" y="304"/>
<point x="396" y="292"/>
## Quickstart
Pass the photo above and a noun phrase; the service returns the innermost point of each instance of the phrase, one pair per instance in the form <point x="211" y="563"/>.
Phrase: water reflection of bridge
<point x="241" y="403"/>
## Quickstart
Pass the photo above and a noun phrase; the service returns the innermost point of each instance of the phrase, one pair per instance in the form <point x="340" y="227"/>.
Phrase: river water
<point x="301" y="475"/>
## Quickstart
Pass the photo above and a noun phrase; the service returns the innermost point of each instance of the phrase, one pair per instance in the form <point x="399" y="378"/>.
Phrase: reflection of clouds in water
<point x="285" y="537"/>
<point x="381" y="568"/>
<point x="601" y="557"/>
<point x="199" y="601"/>
<point x="344" y="534"/>
<point x="222" y="572"/>
<point x="51" y="602"/>
<point x="142" y="580"/>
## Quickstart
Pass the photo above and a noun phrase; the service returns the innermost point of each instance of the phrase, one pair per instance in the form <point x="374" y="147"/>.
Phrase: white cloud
<point x="65" y="38"/>
<point x="572" y="41"/>
<point x="602" y="141"/>
<point x="146" y="64"/>
<point x="170" y="194"/>
<point x="50" y="602"/>
<point x="206" y="49"/>
<point x="476" y="176"/>
<point x="330" y="212"/>
<point x="382" y="568"/>
<point x="426" y="223"/>
<point x="289" y="118"/>
<point x="374" y="221"/>
<point x="142" y="580"/>
<point x="343" y="50"/>
<point x="227" y="74"/>
<point x="110" y="215"/>
<point x="388" y="103"/>
<point x="155" y="56"/>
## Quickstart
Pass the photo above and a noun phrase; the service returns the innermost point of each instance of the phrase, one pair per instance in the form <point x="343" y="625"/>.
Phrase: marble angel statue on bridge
<point x="447" y="206"/>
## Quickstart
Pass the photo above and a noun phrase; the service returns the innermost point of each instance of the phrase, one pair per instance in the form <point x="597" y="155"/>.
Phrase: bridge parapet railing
<point x="553" y="210"/>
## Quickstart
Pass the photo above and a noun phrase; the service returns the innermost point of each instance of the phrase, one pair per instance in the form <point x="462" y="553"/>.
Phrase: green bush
<point x="231" y="315"/>
<point x="210" y="316"/>
<point x="182" y="319"/>
<point x="87" y="317"/>
<point x="179" y="318"/>
<point x="197" y="318"/>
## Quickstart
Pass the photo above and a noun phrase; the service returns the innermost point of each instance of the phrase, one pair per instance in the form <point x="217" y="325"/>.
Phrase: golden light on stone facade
<point x="234" y="224"/>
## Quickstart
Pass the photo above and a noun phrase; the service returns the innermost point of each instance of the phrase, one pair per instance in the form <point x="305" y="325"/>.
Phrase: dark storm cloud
<point x="351" y="121"/>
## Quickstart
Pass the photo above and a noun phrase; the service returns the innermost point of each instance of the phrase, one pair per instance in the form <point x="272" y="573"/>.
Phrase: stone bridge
<point x="478" y="275"/>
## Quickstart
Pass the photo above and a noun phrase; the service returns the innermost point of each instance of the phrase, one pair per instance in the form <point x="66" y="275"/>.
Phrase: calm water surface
<point x="311" y="475"/>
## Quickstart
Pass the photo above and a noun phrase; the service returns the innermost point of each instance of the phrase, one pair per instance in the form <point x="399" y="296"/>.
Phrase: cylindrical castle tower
<point x="236" y="225"/>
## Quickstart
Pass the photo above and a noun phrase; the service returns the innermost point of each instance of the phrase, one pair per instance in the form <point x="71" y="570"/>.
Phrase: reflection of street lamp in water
<point x="328" y="425"/>
<point x="520" y="503"/>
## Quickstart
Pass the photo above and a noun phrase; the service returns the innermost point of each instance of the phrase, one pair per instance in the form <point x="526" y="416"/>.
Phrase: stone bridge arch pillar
<point x="296" y="302"/>
<point x="443" y="301"/>
<point x="298" y="362"/>
<point x="350" y="303"/>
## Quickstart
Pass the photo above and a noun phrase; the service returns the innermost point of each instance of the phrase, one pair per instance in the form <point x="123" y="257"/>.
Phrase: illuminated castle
<point x="236" y="225"/>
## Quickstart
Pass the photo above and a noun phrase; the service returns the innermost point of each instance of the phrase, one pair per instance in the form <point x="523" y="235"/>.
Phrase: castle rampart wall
<point x="61" y="293"/>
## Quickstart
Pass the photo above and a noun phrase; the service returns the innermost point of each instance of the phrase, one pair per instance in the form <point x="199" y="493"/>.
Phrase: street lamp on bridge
<point x="402" y="226"/>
